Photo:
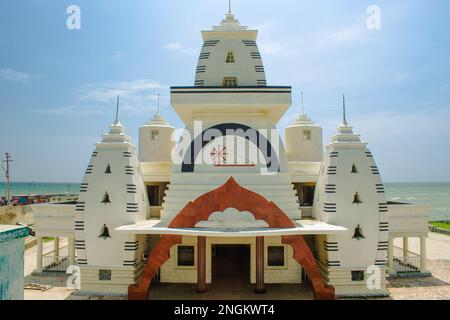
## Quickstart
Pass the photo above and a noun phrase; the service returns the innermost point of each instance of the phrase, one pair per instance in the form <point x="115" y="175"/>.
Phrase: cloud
<point x="137" y="97"/>
<point x="401" y="78"/>
<point x="274" y="48"/>
<point x="265" y="26"/>
<point x="181" y="48"/>
<point x="117" y="55"/>
<point x="74" y="111"/>
<point x="345" y="35"/>
<point x="408" y="146"/>
<point x="106" y="91"/>
<point x="232" y="219"/>
<point x="17" y="76"/>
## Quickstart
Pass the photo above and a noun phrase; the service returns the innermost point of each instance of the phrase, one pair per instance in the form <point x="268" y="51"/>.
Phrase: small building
<point x="12" y="245"/>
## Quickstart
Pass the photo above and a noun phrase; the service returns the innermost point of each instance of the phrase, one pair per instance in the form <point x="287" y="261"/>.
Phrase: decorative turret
<point x="112" y="195"/>
<point x="155" y="140"/>
<point x="230" y="57"/>
<point x="350" y="193"/>
<point x="304" y="140"/>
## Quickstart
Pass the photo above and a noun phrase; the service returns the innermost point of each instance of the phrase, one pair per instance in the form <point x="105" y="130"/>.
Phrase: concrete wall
<point x="408" y="220"/>
<point x="290" y="273"/>
<point x="12" y="269"/>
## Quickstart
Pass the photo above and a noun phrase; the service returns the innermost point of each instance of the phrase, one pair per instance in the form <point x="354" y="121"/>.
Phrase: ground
<point x="427" y="288"/>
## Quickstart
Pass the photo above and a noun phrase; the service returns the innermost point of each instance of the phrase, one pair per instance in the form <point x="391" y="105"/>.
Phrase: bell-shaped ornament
<point x="108" y="169"/>
<point x="106" y="198"/>
<point x="354" y="169"/>
<point x="358" y="233"/>
<point x="105" y="233"/>
<point x="356" y="199"/>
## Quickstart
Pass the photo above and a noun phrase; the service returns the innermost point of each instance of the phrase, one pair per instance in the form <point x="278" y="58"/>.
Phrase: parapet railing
<point x="52" y="263"/>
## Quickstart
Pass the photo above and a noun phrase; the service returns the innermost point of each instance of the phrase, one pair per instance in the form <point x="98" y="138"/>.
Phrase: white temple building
<point x="231" y="198"/>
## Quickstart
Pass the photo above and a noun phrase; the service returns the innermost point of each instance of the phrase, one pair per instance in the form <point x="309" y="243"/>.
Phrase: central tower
<point x="230" y="57"/>
<point x="230" y="116"/>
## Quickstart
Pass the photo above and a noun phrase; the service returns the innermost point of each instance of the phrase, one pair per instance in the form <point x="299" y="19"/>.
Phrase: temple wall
<point x="121" y="278"/>
<point x="290" y="273"/>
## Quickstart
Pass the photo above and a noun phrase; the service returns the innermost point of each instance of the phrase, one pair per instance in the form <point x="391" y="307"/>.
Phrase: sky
<point x="58" y="85"/>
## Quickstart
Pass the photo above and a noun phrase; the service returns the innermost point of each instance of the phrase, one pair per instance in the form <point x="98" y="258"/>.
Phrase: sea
<point x="39" y="188"/>
<point x="435" y="194"/>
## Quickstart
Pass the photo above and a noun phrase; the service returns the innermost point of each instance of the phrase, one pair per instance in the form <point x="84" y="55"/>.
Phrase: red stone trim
<point x="304" y="256"/>
<point x="230" y="195"/>
<point x="159" y="255"/>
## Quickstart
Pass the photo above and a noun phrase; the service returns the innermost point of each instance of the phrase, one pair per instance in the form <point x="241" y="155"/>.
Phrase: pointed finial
<point x="229" y="6"/>
<point x="117" y="109"/>
<point x="344" y="113"/>
<point x="303" y="106"/>
<point x="159" y="95"/>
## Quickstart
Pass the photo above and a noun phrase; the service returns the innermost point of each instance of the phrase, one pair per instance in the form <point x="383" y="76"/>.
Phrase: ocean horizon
<point x="436" y="194"/>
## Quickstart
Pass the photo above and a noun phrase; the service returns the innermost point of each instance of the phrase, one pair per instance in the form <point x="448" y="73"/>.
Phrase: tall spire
<point x="303" y="119"/>
<point x="117" y="110"/>
<point x="116" y="129"/>
<point x="159" y="95"/>
<point x="229" y="6"/>
<point x="344" y="113"/>
<point x="303" y="106"/>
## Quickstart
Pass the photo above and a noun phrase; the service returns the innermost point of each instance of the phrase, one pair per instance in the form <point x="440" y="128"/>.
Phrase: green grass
<point x="441" y="225"/>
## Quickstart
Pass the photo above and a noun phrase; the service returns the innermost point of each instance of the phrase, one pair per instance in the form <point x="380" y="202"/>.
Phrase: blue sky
<point x="57" y="86"/>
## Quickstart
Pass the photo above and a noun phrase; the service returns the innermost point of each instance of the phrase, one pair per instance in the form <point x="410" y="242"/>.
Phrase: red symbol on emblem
<point x="219" y="155"/>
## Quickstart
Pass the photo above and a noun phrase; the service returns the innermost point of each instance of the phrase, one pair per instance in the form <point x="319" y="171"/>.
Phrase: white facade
<point x="155" y="141"/>
<point x="335" y="201"/>
<point x="112" y="194"/>
<point x="230" y="42"/>
<point x="304" y="141"/>
<point x="350" y="193"/>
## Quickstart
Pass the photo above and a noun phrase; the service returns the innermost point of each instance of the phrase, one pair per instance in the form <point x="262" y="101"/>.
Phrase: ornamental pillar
<point x="201" y="265"/>
<point x="260" y="266"/>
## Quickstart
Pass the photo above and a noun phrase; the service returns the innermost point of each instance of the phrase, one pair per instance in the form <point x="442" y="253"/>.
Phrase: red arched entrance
<point x="230" y="195"/>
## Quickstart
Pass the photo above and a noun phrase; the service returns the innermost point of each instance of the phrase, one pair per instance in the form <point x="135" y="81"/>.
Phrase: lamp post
<point x="8" y="161"/>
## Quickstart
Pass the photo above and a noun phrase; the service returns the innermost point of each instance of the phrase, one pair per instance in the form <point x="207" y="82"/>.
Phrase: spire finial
<point x="159" y="95"/>
<point x="344" y="113"/>
<point x="303" y="106"/>
<point x="117" y="109"/>
<point x="229" y="6"/>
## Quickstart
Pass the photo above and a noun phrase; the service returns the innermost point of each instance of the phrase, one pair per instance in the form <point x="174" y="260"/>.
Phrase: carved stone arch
<point x="231" y="195"/>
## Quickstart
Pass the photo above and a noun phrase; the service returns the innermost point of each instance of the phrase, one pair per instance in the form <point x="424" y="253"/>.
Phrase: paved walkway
<point x="57" y="281"/>
<point x="231" y="291"/>
<point x="429" y="288"/>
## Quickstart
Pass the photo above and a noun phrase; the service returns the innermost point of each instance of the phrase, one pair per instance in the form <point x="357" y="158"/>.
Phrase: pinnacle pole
<point x="8" y="161"/>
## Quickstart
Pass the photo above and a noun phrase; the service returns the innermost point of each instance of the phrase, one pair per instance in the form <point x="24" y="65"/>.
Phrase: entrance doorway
<point x="231" y="264"/>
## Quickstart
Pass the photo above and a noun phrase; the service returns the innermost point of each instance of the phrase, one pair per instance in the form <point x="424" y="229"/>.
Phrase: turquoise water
<point x="435" y="194"/>
<point x="26" y="188"/>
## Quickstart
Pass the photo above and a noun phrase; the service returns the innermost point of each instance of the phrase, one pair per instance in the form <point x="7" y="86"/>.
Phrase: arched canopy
<point x="231" y="195"/>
